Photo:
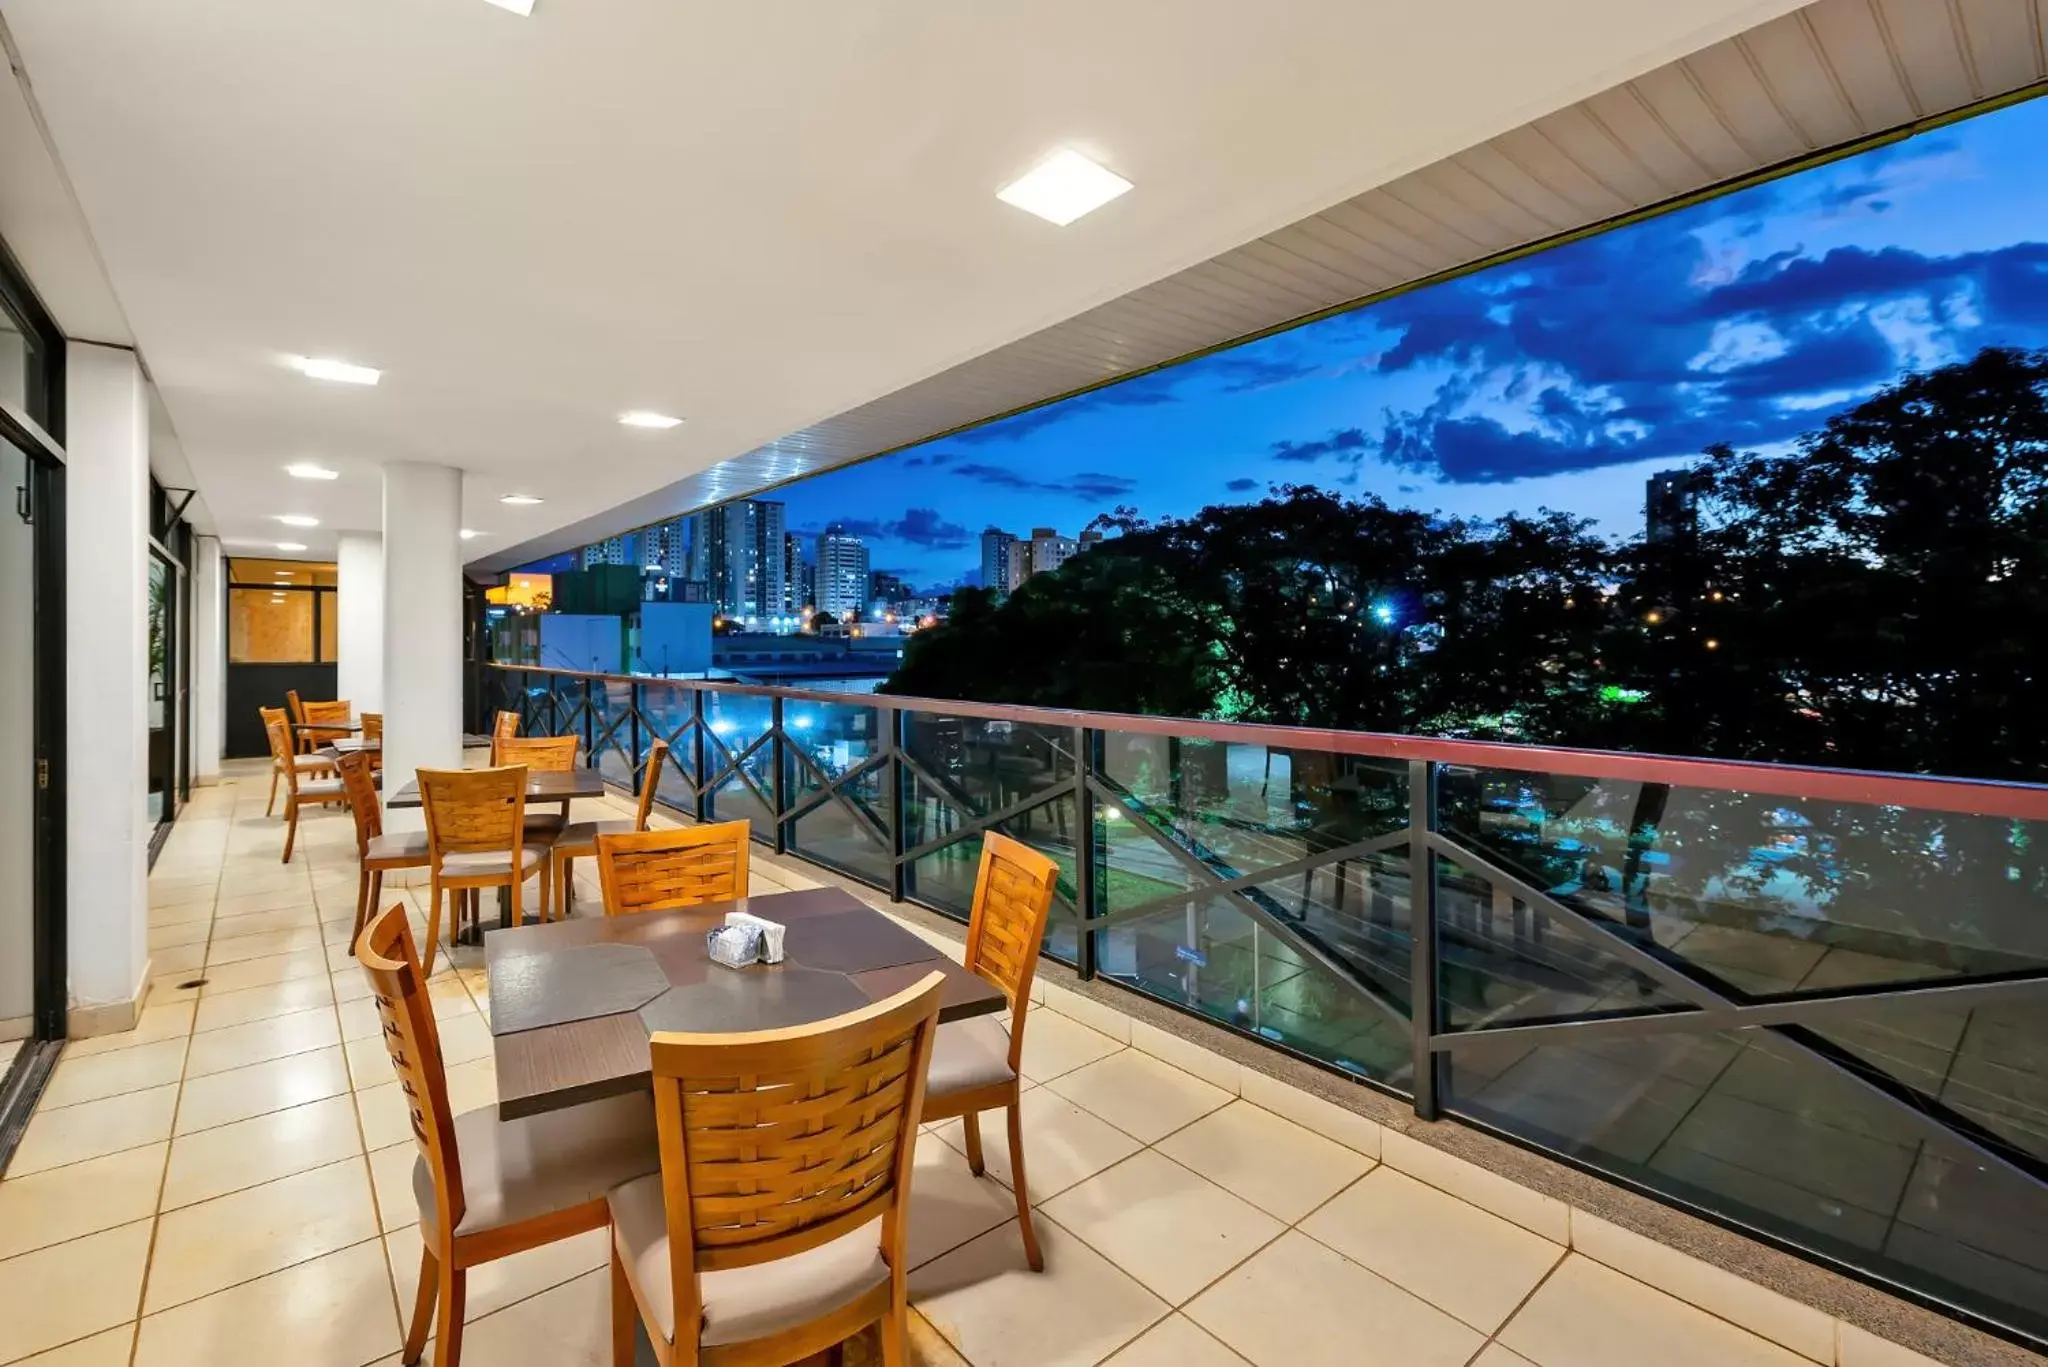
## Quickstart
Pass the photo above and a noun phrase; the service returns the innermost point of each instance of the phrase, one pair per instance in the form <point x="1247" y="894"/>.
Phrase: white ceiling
<point x="759" y="216"/>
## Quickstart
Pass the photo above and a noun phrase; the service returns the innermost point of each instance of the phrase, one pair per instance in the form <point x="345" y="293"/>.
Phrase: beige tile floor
<point x="227" y="1184"/>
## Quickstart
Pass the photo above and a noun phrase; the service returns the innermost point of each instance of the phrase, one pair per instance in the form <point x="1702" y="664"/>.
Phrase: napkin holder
<point x="733" y="946"/>
<point x="771" y="933"/>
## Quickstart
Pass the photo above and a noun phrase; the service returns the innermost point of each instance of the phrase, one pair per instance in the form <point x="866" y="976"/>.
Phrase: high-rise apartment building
<point x="1671" y="505"/>
<point x="1048" y="551"/>
<point x="613" y="550"/>
<point x="799" y="593"/>
<point x="1002" y="561"/>
<point x="842" y="572"/>
<point x="738" y="550"/>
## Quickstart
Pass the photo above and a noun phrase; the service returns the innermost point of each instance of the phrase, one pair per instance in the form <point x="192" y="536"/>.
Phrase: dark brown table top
<point x="350" y="747"/>
<point x="542" y="786"/>
<point x="841" y="955"/>
<point x="351" y="726"/>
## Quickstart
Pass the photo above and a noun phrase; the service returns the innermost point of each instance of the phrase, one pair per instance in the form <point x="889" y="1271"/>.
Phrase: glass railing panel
<point x="612" y="732"/>
<point x="977" y="767"/>
<point x="665" y="715"/>
<point x="1756" y="1130"/>
<point x="739" y="761"/>
<point x="1212" y="956"/>
<point x="1763" y="895"/>
<point x="849" y="830"/>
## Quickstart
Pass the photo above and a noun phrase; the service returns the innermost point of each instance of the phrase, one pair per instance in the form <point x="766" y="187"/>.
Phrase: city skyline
<point x="1565" y="379"/>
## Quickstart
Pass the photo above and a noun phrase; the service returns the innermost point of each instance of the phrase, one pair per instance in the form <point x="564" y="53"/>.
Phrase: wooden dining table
<point x="541" y="786"/>
<point x="575" y="1002"/>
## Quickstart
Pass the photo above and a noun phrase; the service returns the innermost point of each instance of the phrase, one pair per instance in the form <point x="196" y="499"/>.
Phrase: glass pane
<point x="1756" y="1130"/>
<point x="850" y="830"/>
<point x="330" y="628"/>
<point x="159" y="609"/>
<point x="1212" y="957"/>
<point x="14" y="375"/>
<point x="611" y="734"/>
<point x="269" y="573"/>
<point x="17" y="752"/>
<point x="734" y="722"/>
<point x="1988" y="1064"/>
<point x="667" y="712"/>
<point x="268" y="626"/>
<point x="1763" y="895"/>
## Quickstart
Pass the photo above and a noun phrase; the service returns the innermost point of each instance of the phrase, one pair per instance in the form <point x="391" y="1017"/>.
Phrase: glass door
<point x="163" y="704"/>
<point x="18" y="769"/>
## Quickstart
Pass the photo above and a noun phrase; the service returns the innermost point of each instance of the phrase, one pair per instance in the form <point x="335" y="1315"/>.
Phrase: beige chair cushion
<point x="319" y="789"/>
<point x="517" y="1170"/>
<point x="485" y="863"/>
<point x="968" y="1054"/>
<point x="405" y="845"/>
<point x="581" y="838"/>
<point x="313" y="762"/>
<point x="742" y="1303"/>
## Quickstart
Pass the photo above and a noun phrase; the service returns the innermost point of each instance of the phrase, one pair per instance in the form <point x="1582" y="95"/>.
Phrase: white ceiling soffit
<point x="752" y="215"/>
<point x="1830" y="73"/>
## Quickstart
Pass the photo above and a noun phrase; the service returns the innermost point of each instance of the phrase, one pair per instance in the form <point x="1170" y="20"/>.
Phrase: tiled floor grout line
<point x="1522" y="1304"/>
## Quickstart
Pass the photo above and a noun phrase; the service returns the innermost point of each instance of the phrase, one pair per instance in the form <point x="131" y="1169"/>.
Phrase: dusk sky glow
<point x="1561" y="380"/>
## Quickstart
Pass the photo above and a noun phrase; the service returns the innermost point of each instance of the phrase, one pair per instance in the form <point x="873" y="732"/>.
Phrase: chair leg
<point x="448" y="1343"/>
<point x="895" y="1352"/>
<point x="422" y="1307"/>
<point x="363" y="895"/>
<point x="518" y="886"/>
<point x="271" y="805"/>
<point x="433" y="929"/>
<point x="625" y="1314"/>
<point x="291" y="824"/>
<point x="971" y="1125"/>
<point x="1032" y="1254"/>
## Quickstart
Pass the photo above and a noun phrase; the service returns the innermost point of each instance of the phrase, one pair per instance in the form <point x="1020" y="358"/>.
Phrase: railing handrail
<point x="1976" y="797"/>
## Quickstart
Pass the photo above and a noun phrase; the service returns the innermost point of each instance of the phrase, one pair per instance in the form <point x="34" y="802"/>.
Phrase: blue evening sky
<point x="1561" y="380"/>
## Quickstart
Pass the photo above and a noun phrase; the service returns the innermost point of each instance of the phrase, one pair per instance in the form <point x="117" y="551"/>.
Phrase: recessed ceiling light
<point x="642" y="418"/>
<point x="307" y="470"/>
<point x="298" y="520"/>
<point x="470" y="534"/>
<point x="519" y="7"/>
<point x="291" y="546"/>
<point x="1063" y="187"/>
<point x="518" y="500"/>
<point x="318" y="368"/>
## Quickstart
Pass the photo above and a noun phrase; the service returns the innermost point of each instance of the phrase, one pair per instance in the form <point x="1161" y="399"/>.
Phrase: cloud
<point x="1242" y="486"/>
<point x="1348" y="441"/>
<point x="922" y="527"/>
<point x="1088" y="485"/>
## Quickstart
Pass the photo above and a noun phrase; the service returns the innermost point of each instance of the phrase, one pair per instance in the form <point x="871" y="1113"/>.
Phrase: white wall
<point x="107" y="641"/>
<point x="359" y="635"/>
<point x="209" y="658"/>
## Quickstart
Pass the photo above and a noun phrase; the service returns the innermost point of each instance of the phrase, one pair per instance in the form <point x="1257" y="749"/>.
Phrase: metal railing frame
<point x="1707" y="1003"/>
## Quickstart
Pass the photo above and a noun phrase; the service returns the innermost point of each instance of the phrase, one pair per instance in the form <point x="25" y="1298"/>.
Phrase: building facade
<point x="842" y="572"/>
<point x="1002" y="561"/>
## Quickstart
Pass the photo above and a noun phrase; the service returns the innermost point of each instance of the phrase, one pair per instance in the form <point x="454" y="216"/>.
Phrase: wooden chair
<point x="320" y="791"/>
<point x="477" y="839"/>
<point x="317" y="712"/>
<point x="298" y="717"/>
<point x="579" y="840"/>
<point x="775" y="1228"/>
<point x="309" y="766"/>
<point x="662" y="870"/>
<point x="504" y="726"/>
<point x="542" y="755"/>
<point x="975" y="1065"/>
<point x="376" y="852"/>
<point x="373" y="728"/>
<point x="488" y="1188"/>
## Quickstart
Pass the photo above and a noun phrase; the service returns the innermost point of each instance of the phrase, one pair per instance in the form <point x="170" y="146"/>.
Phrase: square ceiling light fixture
<point x="642" y="418"/>
<point x="519" y="7"/>
<point x="1063" y="187"/>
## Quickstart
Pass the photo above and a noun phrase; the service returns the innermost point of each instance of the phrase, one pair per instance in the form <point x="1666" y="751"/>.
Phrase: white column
<point x="209" y="658"/>
<point x="359" y="635"/>
<point x="106" y="628"/>
<point x="422" y="626"/>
